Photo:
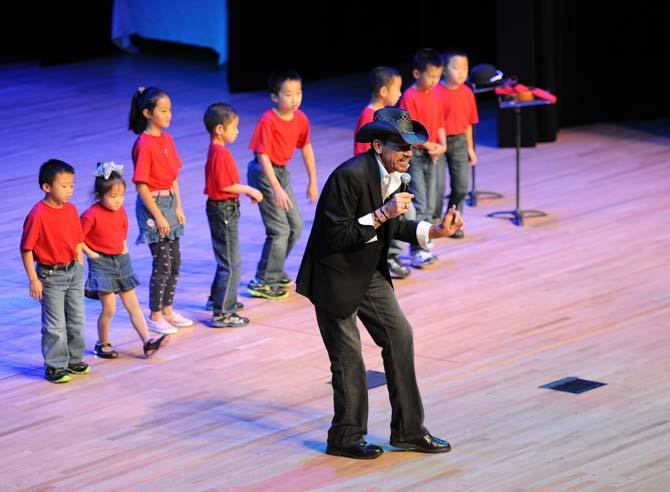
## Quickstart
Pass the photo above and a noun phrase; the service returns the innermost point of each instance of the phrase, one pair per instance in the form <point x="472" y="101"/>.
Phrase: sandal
<point x="100" y="351"/>
<point x="152" y="345"/>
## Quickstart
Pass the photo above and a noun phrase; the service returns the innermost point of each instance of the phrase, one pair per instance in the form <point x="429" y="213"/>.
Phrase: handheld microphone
<point x="405" y="178"/>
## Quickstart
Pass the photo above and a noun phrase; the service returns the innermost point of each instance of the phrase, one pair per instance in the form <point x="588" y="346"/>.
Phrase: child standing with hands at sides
<point x="385" y="85"/>
<point x="223" y="188"/>
<point x="460" y="113"/>
<point x="422" y="104"/>
<point x="160" y="216"/>
<point x="105" y="228"/>
<point x="279" y="132"/>
<point x="52" y="237"/>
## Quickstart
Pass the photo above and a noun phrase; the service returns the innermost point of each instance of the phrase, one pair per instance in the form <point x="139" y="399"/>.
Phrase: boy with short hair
<point x="52" y="238"/>
<point x="460" y="113"/>
<point x="385" y="86"/>
<point x="223" y="188"/>
<point x="280" y="131"/>
<point x="422" y="104"/>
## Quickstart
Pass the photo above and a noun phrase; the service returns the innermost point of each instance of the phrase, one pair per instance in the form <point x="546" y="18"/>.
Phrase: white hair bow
<point x="105" y="169"/>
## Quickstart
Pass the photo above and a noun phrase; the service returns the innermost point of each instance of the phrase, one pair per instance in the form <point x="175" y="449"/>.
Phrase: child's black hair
<point x="449" y="54"/>
<point x="425" y="58"/>
<point x="218" y="114"/>
<point x="51" y="168"/>
<point x="143" y="98"/>
<point x="276" y="80"/>
<point x="381" y="77"/>
<point x="102" y="185"/>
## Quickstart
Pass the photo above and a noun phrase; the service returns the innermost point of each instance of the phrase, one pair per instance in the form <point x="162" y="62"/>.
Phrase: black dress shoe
<point x="423" y="444"/>
<point x="358" y="451"/>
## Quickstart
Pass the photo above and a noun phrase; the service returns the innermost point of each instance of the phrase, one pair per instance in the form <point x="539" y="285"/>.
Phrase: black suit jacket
<point x="338" y="263"/>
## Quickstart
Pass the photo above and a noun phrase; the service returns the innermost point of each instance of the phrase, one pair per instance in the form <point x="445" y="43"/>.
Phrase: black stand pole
<point x="517" y="215"/>
<point x="474" y="194"/>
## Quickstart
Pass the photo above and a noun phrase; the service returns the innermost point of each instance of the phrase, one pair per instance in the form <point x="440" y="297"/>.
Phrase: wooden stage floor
<point x="582" y="292"/>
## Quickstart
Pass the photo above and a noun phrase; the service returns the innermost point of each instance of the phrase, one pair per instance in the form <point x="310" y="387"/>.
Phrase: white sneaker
<point x="161" y="326"/>
<point x="178" y="320"/>
<point x="422" y="259"/>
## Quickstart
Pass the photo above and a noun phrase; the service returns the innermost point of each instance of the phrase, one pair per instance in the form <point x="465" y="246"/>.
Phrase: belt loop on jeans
<point x="161" y="193"/>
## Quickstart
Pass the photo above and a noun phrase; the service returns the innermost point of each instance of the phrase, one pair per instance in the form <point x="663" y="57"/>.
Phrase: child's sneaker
<point x="228" y="320"/>
<point x="79" y="368"/>
<point x="57" y="375"/>
<point x="266" y="291"/>
<point x="176" y="319"/>
<point x="423" y="258"/>
<point x="285" y="281"/>
<point x="161" y="326"/>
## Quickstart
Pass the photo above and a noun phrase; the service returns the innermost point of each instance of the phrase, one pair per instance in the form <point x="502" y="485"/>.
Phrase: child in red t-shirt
<point x="422" y="104"/>
<point x="460" y="113"/>
<point x="223" y="188"/>
<point x="385" y="84"/>
<point x="105" y="229"/>
<point x="278" y="133"/>
<point x="160" y="216"/>
<point x="52" y="238"/>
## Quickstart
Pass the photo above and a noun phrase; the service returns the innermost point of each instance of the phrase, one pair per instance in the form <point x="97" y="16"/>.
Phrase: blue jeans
<point x="459" y="169"/>
<point x="62" y="315"/>
<point x="224" y="218"/>
<point x="440" y="185"/>
<point x="282" y="228"/>
<point x="422" y="186"/>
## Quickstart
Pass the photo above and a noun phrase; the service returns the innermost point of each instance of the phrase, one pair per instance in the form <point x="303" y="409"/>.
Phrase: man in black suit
<point x="345" y="274"/>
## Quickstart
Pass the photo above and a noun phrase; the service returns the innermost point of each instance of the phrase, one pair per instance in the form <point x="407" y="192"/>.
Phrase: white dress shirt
<point x="391" y="182"/>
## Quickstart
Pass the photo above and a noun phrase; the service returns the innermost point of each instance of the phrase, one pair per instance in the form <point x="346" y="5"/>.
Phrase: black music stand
<point x="474" y="194"/>
<point x="517" y="215"/>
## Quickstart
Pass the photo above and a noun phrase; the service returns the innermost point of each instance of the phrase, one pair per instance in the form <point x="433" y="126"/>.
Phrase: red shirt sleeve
<point x="474" y="116"/>
<point x="31" y="232"/>
<point x="261" y="140"/>
<point x="304" y="137"/>
<point x="225" y="171"/>
<point x="87" y="223"/>
<point x="142" y="160"/>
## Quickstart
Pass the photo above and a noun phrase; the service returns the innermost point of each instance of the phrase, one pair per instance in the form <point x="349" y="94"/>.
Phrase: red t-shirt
<point x="104" y="230"/>
<point x="460" y="108"/>
<point x="426" y="108"/>
<point x="220" y="172"/>
<point x="52" y="234"/>
<point x="279" y="138"/>
<point x="367" y="116"/>
<point x="156" y="161"/>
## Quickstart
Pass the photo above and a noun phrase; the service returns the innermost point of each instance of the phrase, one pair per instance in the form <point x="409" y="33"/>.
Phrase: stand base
<point x="516" y="216"/>
<point x="474" y="195"/>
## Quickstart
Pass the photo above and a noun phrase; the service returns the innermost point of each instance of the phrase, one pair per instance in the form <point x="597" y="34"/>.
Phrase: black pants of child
<point x="164" y="273"/>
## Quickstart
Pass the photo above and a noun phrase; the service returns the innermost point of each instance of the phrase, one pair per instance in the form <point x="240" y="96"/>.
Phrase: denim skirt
<point x="110" y="273"/>
<point x="147" y="224"/>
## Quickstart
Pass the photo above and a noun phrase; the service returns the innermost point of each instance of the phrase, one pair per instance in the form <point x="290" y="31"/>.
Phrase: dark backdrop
<point x="604" y="60"/>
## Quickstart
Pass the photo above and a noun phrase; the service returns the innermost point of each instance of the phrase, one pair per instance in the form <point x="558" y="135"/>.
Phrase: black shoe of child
<point x="100" y="351"/>
<point x="79" y="368"/>
<point x="57" y="375"/>
<point x="228" y="320"/>
<point x="152" y="345"/>
<point x="285" y="281"/>
<point x="266" y="291"/>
